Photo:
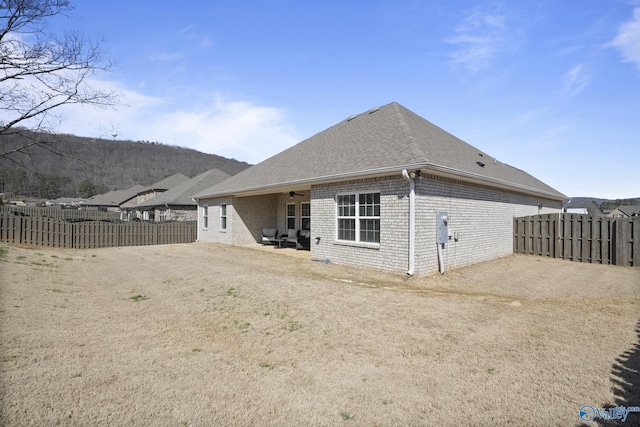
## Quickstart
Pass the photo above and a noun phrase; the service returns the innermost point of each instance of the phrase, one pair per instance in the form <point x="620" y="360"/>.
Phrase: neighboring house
<point x="581" y="211"/>
<point x="370" y="189"/>
<point x="112" y="200"/>
<point x="66" y="202"/>
<point x="177" y="204"/>
<point x="625" y="211"/>
<point x="129" y="209"/>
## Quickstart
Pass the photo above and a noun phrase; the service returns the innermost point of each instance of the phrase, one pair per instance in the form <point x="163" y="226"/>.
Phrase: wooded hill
<point x="108" y="164"/>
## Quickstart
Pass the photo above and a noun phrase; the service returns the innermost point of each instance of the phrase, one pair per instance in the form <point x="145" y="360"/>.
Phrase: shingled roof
<point x="378" y="142"/>
<point x="182" y="195"/>
<point x="166" y="183"/>
<point x="113" y="198"/>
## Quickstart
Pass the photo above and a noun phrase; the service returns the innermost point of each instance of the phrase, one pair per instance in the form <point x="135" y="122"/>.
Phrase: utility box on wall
<point x="442" y="227"/>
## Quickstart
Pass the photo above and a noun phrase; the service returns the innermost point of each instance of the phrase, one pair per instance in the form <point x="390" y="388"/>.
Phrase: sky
<point x="550" y="87"/>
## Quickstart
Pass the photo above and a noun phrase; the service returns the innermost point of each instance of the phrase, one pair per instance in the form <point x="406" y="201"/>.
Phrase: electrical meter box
<point x="442" y="227"/>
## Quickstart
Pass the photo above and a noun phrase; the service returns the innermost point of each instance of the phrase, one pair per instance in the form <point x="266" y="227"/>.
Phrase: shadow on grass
<point x="625" y="377"/>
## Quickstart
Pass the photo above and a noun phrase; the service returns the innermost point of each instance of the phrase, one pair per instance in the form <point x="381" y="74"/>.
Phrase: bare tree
<point x="40" y="72"/>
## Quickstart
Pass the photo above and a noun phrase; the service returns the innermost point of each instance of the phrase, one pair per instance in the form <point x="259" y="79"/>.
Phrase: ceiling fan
<point x="293" y="193"/>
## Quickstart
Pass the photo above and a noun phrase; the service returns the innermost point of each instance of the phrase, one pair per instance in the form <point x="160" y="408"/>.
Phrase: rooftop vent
<point x="352" y="117"/>
<point x="373" y="110"/>
<point x="480" y="164"/>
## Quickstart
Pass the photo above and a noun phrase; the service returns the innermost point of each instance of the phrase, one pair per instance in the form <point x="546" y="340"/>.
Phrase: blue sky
<point x="551" y="87"/>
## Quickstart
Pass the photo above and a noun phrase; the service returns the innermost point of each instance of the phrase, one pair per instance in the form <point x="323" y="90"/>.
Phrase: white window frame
<point x="223" y="217"/>
<point x="356" y="217"/>
<point x="290" y="217"/>
<point x="162" y="215"/>
<point x="205" y="217"/>
<point x="303" y="217"/>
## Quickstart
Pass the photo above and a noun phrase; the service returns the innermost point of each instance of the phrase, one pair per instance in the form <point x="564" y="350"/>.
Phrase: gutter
<point x="387" y="171"/>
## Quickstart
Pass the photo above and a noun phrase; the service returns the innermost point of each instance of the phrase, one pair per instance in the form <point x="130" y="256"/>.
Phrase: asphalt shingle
<point x="385" y="138"/>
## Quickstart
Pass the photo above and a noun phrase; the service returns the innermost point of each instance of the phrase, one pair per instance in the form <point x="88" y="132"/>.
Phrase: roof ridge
<point x="414" y="148"/>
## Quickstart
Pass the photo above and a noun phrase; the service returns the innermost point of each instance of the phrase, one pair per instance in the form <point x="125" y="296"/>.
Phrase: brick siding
<point x="480" y="217"/>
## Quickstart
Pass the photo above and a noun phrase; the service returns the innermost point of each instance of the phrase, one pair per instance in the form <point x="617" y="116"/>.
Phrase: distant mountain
<point x="115" y="164"/>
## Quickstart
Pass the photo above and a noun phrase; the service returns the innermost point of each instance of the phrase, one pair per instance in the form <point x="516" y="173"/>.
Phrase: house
<point x="66" y="202"/>
<point x="380" y="189"/>
<point x="111" y="200"/>
<point x="581" y="211"/>
<point x="625" y="211"/>
<point x="129" y="208"/>
<point x="177" y="204"/>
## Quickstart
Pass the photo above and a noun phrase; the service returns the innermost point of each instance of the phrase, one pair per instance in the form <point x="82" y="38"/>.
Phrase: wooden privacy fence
<point x="59" y="213"/>
<point x="581" y="238"/>
<point x="42" y="231"/>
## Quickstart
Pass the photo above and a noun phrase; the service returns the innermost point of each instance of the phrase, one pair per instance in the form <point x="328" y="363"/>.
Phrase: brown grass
<point x="206" y="334"/>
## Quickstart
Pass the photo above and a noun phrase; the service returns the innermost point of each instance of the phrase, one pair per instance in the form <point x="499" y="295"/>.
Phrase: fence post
<point x="635" y="244"/>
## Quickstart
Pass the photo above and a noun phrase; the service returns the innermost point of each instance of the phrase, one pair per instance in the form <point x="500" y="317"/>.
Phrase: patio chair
<point x="292" y="237"/>
<point x="304" y="240"/>
<point x="269" y="236"/>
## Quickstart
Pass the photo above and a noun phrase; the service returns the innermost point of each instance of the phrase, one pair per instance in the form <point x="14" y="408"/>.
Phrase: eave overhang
<point x="425" y="168"/>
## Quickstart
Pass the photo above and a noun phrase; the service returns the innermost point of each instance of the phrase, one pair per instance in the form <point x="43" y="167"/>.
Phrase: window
<point x="358" y="217"/>
<point x="223" y="217"/>
<point x="205" y="216"/>
<point x="291" y="216"/>
<point x="305" y="216"/>
<point x="162" y="215"/>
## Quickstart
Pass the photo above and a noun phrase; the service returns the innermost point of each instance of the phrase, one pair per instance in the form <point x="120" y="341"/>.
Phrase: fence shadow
<point x="625" y="376"/>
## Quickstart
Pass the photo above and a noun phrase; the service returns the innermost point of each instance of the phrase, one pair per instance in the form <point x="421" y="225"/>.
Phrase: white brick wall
<point x="393" y="249"/>
<point x="246" y="217"/>
<point x="481" y="216"/>
<point x="213" y="233"/>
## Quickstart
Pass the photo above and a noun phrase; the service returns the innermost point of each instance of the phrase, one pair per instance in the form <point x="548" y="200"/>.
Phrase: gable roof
<point x="182" y="195"/>
<point x="629" y="210"/>
<point x="166" y="183"/>
<point x="114" y="197"/>
<point x="381" y="141"/>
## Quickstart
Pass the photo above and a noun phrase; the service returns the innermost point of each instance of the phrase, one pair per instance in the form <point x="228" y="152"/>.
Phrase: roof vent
<point x="480" y="164"/>
<point x="351" y="117"/>
<point x="373" y="110"/>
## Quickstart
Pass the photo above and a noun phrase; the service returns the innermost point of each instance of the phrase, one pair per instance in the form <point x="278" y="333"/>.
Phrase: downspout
<point x="197" y="219"/>
<point x="412" y="220"/>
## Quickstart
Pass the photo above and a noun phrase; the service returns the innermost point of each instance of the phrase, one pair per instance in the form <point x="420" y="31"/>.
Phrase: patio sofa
<point x="269" y="236"/>
<point x="304" y="240"/>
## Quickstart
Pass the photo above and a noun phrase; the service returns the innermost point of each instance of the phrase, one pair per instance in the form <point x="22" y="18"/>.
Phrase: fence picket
<point x="580" y="238"/>
<point x="43" y="231"/>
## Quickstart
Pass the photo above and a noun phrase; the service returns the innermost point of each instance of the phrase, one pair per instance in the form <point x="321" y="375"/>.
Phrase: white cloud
<point x="628" y="39"/>
<point x="237" y="129"/>
<point x="480" y="36"/>
<point x="576" y="79"/>
<point x="230" y="128"/>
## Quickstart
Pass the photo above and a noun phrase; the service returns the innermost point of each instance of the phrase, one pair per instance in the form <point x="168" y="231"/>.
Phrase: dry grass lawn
<point x="205" y="335"/>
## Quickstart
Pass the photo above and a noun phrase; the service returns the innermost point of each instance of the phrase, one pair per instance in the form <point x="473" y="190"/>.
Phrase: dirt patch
<point x="206" y="334"/>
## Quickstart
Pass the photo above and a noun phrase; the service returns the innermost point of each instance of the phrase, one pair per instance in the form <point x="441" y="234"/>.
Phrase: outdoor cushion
<point x="269" y="236"/>
<point x="292" y="236"/>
